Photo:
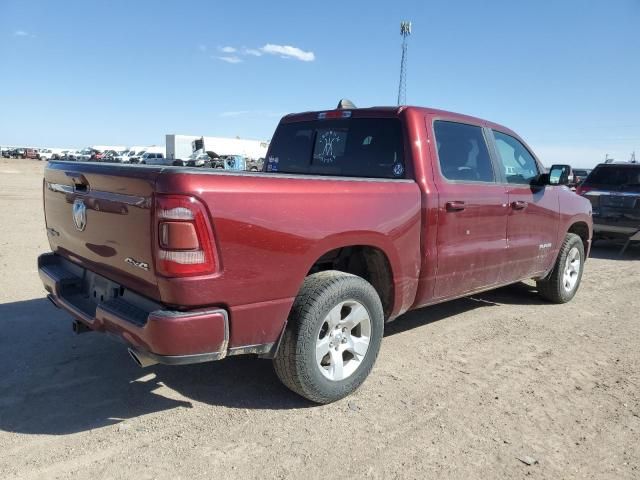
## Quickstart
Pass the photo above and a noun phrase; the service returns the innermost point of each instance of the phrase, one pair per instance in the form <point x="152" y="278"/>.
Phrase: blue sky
<point x="564" y="74"/>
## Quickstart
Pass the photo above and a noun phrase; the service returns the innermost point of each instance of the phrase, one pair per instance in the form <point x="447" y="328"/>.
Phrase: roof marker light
<point x="334" y="114"/>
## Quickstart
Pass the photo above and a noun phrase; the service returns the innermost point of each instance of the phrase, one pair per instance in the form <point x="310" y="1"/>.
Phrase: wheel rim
<point x="571" y="269"/>
<point x="343" y="340"/>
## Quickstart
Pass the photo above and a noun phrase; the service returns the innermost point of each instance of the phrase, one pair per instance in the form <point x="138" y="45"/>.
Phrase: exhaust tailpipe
<point x="141" y="359"/>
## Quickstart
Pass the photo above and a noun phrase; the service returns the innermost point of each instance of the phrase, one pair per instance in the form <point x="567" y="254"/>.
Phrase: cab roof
<point x="397" y="111"/>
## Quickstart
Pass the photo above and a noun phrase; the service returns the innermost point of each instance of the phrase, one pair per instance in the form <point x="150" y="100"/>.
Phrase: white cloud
<point x="287" y="51"/>
<point x="252" y="51"/>
<point x="20" y="33"/>
<point x="230" y="59"/>
<point x="227" y="49"/>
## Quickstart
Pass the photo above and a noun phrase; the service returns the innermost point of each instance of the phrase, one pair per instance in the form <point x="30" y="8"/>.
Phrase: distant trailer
<point x="182" y="146"/>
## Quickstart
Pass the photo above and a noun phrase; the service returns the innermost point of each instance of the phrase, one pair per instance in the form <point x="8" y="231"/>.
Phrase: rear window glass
<point x="357" y="147"/>
<point x="615" y="176"/>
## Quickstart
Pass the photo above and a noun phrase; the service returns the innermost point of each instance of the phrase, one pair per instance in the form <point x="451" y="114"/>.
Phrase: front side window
<point x="463" y="152"/>
<point x="353" y="147"/>
<point x="519" y="165"/>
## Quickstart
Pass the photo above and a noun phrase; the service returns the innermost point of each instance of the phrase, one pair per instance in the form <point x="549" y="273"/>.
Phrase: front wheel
<point x="562" y="283"/>
<point x="332" y="338"/>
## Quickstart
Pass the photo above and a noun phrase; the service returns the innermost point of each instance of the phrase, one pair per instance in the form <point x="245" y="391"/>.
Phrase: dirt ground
<point x="462" y="390"/>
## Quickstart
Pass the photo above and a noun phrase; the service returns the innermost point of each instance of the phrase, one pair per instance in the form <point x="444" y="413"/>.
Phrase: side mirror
<point x="559" y="175"/>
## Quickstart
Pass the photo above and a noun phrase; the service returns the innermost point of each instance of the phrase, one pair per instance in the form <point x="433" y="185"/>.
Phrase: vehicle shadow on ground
<point x="55" y="382"/>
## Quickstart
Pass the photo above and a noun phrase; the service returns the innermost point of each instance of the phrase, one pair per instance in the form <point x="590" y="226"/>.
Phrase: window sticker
<point x="272" y="163"/>
<point x="329" y="145"/>
<point x="398" y="169"/>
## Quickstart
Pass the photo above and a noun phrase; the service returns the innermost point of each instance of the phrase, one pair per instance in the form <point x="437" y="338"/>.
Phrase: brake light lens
<point x="184" y="237"/>
<point x="334" y="114"/>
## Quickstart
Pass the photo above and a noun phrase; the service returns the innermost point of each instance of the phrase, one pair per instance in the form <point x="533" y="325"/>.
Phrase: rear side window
<point x="356" y="147"/>
<point x="463" y="152"/>
<point x="519" y="165"/>
<point x="615" y="176"/>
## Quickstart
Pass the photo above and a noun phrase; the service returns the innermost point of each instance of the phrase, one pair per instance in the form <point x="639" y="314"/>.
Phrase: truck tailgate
<point x="100" y="216"/>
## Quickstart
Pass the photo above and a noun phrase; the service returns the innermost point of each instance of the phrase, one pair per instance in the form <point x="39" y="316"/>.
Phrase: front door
<point x="533" y="219"/>
<point x="472" y="211"/>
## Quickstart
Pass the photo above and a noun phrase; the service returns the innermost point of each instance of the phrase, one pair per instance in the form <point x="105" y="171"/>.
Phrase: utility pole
<point x="405" y="31"/>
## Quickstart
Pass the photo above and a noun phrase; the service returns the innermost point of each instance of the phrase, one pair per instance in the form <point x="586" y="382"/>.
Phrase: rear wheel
<point x="332" y="338"/>
<point x="564" y="280"/>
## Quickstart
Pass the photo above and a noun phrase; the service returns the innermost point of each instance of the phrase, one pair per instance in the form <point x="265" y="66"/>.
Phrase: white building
<point x="181" y="146"/>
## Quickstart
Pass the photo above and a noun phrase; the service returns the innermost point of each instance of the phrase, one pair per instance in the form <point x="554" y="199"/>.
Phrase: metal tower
<point x="405" y="31"/>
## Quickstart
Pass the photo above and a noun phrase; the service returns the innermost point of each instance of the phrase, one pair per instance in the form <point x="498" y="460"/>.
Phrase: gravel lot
<point x="468" y="389"/>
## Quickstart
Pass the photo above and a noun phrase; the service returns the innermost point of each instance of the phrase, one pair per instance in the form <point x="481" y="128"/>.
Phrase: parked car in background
<point x="68" y="155"/>
<point x="109" y="156"/>
<point x="59" y="154"/>
<point x="579" y="174"/>
<point x="150" y="158"/>
<point x="45" y="154"/>
<point x="83" y="155"/>
<point x="362" y="215"/>
<point x="136" y="157"/>
<point x="30" y="153"/>
<point x="18" y="152"/>
<point x="254" y="165"/>
<point x="5" y="152"/>
<point x="614" y="192"/>
<point x="200" y="159"/>
<point x="123" y="156"/>
<point x="96" y="155"/>
<point x="231" y="162"/>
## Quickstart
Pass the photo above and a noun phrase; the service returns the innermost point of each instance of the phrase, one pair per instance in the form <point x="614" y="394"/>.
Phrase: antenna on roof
<point x="345" y="104"/>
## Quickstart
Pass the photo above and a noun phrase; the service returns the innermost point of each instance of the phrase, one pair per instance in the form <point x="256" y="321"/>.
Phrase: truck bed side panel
<point x="270" y="229"/>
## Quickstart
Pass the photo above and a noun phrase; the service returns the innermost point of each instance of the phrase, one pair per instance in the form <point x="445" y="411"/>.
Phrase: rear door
<point x="472" y="206"/>
<point x="533" y="211"/>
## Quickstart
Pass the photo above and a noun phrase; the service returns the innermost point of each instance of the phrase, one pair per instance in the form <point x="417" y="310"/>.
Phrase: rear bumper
<point x="167" y="336"/>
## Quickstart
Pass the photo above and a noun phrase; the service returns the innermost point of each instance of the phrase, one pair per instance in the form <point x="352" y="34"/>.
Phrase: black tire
<point x="552" y="287"/>
<point x="295" y="363"/>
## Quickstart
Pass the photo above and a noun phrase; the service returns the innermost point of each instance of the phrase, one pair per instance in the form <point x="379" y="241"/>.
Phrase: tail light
<point x="184" y="237"/>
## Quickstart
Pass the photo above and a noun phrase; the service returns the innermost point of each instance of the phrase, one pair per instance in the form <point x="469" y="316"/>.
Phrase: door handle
<point x="454" y="206"/>
<point x="519" y="205"/>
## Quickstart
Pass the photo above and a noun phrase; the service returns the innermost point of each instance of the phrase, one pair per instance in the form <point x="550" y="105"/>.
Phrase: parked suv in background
<point x="361" y="215"/>
<point x="149" y="158"/>
<point x="45" y="154"/>
<point x="614" y="192"/>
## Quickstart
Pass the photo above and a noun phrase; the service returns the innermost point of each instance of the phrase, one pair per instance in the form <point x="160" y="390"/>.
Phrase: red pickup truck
<point x="358" y="216"/>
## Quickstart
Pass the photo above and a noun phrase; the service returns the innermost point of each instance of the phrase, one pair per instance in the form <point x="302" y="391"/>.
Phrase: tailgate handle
<point x="80" y="182"/>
